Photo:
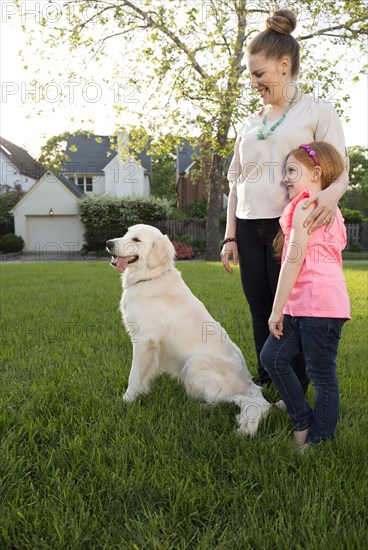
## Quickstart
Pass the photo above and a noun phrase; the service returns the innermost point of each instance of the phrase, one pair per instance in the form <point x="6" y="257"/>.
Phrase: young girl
<point x="311" y="302"/>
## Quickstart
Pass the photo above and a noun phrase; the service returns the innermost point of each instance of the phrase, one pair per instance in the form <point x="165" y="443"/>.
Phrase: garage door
<point x="53" y="233"/>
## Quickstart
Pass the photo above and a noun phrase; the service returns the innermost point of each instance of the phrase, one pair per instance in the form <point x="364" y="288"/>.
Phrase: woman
<point x="257" y="196"/>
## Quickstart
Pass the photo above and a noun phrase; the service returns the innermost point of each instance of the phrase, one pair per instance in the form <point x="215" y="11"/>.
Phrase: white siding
<point x="126" y="178"/>
<point x="147" y="186"/>
<point x="10" y="175"/>
<point x="99" y="184"/>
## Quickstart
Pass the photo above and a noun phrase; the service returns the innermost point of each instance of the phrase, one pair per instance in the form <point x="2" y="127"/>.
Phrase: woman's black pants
<point x="259" y="272"/>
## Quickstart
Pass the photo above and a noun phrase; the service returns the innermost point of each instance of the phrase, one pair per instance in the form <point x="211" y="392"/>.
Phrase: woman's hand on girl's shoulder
<point x="325" y="210"/>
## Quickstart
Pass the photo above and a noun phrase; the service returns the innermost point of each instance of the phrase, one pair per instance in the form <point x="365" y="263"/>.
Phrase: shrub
<point x="352" y="216"/>
<point x="7" y="201"/>
<point x="356" y="247"/>
<point x="106" y="217"/>
<point x="176" y="214"/>
<point x="182" y="251"/>
<point x="199" y="247"/>
<point x="11" y="243"/>
<point x="198" y="210"/>
<point x="223" y="218"/>
<point x="6" y="226"/>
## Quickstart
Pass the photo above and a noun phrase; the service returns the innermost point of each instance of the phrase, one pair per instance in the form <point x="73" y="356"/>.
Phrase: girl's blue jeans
<point x="317" y="338"/>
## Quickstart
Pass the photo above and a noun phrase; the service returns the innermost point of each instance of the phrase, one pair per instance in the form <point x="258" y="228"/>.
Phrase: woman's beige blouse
<point x="256" y="171"/>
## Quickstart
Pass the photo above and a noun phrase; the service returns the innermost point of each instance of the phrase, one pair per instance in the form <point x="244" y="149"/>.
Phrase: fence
<point x="353" y="234"/>
<point x="191" y="231"/>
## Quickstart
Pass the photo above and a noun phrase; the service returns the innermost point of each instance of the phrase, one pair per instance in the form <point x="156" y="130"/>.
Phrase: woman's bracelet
<point x="229" y="240"/>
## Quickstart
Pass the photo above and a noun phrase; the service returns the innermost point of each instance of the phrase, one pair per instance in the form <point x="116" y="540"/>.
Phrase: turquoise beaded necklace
<point x="261" y="133"/>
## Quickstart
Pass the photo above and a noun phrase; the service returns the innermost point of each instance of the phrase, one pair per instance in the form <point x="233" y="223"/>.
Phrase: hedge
<point x="7" y="201"/>
<point x="106" y="217"/>
<point x="11" y="243"/>
<point x="352" y="216"/>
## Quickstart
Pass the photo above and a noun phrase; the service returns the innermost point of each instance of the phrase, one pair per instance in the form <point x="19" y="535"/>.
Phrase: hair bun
<point x="281" y="21"/>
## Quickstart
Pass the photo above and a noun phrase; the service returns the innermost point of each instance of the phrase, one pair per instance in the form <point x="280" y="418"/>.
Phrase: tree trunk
<point x="213" y="209"/>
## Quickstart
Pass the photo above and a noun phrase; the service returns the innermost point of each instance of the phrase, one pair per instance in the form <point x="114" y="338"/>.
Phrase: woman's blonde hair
<point x="276" y="41"/>
<point x="332" y="165"/>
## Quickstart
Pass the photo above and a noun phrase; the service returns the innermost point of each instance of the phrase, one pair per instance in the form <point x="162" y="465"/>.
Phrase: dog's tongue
<point x="122" y="264"/>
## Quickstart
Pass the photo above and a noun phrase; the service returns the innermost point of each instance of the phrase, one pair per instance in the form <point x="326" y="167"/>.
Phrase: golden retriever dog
<point x="172" y="332"/>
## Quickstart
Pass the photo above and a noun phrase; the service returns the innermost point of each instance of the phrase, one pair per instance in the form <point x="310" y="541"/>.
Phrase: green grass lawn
<point x="80" y="469"/>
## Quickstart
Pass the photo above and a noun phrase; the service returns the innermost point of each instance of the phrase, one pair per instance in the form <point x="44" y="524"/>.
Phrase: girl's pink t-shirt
<point x="320" y="289"/>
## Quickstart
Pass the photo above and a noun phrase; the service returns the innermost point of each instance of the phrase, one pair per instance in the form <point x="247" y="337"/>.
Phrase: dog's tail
<point x="252" y="410"/>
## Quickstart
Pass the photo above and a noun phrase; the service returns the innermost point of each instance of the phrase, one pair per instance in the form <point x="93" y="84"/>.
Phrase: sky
<point x="28" y="120"/>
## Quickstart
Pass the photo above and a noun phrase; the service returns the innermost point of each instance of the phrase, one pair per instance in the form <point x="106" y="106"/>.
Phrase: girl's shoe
<point x="280" y="405"/>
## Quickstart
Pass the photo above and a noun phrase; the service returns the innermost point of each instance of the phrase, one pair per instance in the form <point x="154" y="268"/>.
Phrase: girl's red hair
<point x="331" y="164"/>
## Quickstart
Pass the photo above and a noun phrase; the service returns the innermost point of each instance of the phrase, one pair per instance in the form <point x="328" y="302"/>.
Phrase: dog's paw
<point x="128" y="397"/>
<point x="243" y="426"/>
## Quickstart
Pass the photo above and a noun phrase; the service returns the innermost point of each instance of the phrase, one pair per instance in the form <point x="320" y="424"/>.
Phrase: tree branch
<point x="161" y="27"/>
<point x="240" y="36"/>
<point x="346" y="26"/>
<point x="175" y="81"/>
<point x="223" y="36"/>
<point x="340" y="36"/>
<point x="101" y="42"/>
<point x="85" y="23"/>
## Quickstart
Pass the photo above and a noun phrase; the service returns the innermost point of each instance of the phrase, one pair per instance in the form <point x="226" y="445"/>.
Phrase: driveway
<point x="49" y="256"/>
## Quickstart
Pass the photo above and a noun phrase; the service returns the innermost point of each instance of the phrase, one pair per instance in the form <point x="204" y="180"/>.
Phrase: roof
<point x="89" y="154"/>
<point x="187" y="155"/>
<point x="70" y="185"/>
<point x="26" y="165"/>
<point x="67" y="183"/>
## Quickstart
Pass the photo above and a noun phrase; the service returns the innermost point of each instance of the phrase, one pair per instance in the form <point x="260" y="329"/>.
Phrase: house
<point x="94" y="165"/>
<point x="47" y="216"/>
<point x="17" y="167"/>
<point x="189" y="187"/>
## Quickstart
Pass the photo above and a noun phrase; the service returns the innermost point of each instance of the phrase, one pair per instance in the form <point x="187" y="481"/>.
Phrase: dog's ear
<point x="162" y="251"/>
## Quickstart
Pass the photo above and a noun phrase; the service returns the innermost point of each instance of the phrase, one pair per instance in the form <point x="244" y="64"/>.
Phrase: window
<point x="85" y="183"/>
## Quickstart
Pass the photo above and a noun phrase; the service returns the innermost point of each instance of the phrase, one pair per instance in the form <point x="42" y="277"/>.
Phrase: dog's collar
<point x="152" y="278"/>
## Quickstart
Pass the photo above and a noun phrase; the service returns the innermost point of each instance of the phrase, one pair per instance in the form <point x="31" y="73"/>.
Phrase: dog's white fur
<point x="172" y="331"/>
